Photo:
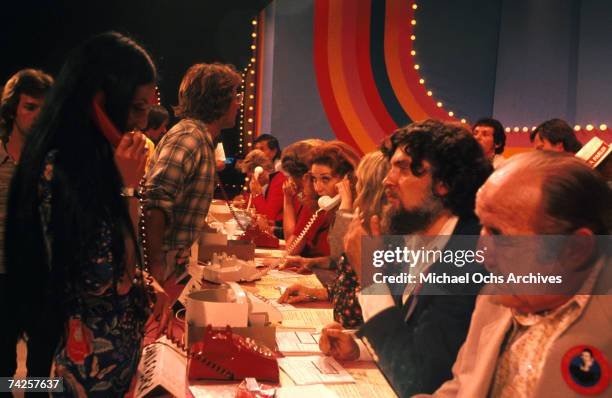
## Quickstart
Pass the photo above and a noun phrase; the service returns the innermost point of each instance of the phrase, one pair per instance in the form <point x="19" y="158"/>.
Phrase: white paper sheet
<point x="314" y="370"/>
<point x="298" y="342"/>
<point x="315" y="390"/>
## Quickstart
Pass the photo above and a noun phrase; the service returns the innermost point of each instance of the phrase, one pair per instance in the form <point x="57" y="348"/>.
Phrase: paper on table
<point x="308" y="318"/>
<point x="361" y="390"/>
<point x="298" y="342"/>
<point x="315" y="390"/>
<point x="214" y="390"/>
<point x="314" y="370"/>
<point x="274" y="273"/>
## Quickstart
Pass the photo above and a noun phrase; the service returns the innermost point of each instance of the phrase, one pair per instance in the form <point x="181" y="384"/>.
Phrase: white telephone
<point x="257" y="172"/>
<point x="326" y="203"/>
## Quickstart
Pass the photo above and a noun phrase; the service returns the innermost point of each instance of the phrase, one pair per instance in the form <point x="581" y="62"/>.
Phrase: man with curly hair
<point x="179" y="185"/>
<point x="415" y="332"/>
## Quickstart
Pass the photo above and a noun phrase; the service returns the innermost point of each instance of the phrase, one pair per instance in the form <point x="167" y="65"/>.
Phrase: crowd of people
<point x="101" y="202"/>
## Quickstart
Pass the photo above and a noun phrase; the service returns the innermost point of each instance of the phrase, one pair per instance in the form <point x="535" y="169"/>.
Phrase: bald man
<point x="523" y="345"/>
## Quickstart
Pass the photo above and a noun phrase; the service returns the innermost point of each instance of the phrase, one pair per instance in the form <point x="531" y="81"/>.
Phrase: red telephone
<point x="260" y="237"/>
<point x="102" y="120"/>
<point x="223" y="355"/>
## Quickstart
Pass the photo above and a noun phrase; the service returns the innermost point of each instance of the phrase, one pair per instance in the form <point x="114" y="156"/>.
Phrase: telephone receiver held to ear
<point x="326" y="203"/>
<point x="257" y="172"/>
<point x="103" y="122"/>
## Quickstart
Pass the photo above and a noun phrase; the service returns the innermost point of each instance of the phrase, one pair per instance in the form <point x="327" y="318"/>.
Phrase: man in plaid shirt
<point x="180" y="182"/>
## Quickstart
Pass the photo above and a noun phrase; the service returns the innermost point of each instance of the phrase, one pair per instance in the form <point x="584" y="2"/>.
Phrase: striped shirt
<point x="180" y="182"/>
<point x="7" y="169"/>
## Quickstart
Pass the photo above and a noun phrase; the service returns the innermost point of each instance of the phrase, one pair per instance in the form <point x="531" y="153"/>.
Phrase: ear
<point x="440" y="189"/>
<point x="579" y="248"/>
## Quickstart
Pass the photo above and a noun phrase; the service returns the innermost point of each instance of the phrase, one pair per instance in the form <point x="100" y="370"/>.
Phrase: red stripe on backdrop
<point x="321" y="63"/>
<point x="363" y="125"/>
<point x="364" y="68"/>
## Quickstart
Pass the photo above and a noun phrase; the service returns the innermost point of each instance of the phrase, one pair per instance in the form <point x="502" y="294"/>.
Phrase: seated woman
<point x="329" y="164"/>
<point x="370" y="200"/>
<point x="332" y="173"/>
<point x="266" y="191"/>
<point x="298" y="192"/>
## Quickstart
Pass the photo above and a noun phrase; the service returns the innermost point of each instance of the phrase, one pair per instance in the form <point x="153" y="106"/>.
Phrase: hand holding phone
<point x="131" y="158"/>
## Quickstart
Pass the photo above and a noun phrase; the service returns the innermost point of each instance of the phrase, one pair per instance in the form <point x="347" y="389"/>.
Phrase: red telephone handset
<point x="102" y="120"/>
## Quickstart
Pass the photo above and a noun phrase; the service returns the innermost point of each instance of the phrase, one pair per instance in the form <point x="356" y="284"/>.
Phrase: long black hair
<point x="86" y="183"/>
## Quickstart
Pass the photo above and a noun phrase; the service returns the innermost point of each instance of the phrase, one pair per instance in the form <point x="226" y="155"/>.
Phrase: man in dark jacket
<point x="415" y="330"/>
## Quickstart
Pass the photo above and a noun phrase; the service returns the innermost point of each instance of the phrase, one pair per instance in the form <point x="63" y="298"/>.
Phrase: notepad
<point x="297" y="342"/>
<point x="314" y="370"/>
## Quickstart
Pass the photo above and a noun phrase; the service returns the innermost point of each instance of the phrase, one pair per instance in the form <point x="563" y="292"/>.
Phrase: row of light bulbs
<point x="588" y="127"/>
<point x="248" y="69"/>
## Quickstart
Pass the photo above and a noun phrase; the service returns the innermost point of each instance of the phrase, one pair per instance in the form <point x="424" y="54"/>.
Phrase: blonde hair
<point x="256" y="158"/>
<point x="370" y="173"/>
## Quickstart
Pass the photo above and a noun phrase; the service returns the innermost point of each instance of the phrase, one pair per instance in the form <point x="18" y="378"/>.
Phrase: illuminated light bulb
<point x="533" y="128"/>
<point x="577" y="127"/>
<point x="422" y="81"/>
<point x="250" y="120"/>
<point x="253" y="60"/>
<point x="253" y="47"/>
<point x="516" y="129"/>
<point x="251" y="96"/>
<point x="589" y="127"/>
<point x="414" y="6"/>
<point x="508" y="129"/>
<point x="412" y="52"/>
<point x="254" y="22"/>
<point x="417" y="66"/>
<point x="451" y="113"/>
<point x="250" y="133"/>
<point x="429" y="93"/>
<point x="439" y="104"/>
<point x="463" y="121"/>
<point x="249" y="144"/>
<point x="525" y="129"/>
<point x="413" y="22"/>
<point x="603" y="127"/>
<point x="250" y="108"/>
<point x="246" y="178"/>
<point x="253" y="34"/>
<point x="252" y="84"/>
<point x="413" y="37"/>
<point x="252" y="72"/>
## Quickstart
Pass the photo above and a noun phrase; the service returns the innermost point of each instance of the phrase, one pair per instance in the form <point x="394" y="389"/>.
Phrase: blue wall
<point x="521" y="61"/>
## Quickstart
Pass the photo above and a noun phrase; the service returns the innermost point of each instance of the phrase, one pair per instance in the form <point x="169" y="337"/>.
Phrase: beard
<point x="410" y="221"/>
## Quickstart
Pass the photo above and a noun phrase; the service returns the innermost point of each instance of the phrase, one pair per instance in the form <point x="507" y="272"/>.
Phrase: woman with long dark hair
<point x="71" y="245"/>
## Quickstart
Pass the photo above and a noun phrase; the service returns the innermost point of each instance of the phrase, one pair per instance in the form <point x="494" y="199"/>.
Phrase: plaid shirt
<point x="7" y="169"/>
<point x="181" y="180"/>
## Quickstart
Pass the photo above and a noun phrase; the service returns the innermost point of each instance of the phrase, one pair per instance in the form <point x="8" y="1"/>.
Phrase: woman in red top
<point x="267" y="189"/>
<point x="330" y="163"/>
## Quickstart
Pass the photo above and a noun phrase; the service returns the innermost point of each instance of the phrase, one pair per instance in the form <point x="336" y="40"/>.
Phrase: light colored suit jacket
<point x="476" y="363"/>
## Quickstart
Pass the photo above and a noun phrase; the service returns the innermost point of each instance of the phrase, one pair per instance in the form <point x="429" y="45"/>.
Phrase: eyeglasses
<point x="240" y="98"/>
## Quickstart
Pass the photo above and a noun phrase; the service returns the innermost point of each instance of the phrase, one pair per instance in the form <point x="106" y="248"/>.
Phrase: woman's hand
<point x="298" y="264"/>
<point x="344" y="190"/>
<point x="255" y="187"/>
<point x="162" y="312"/>
<point x="289" y="189"/>
<point x="131" y="158"/>
<point x="297" y="293"/>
